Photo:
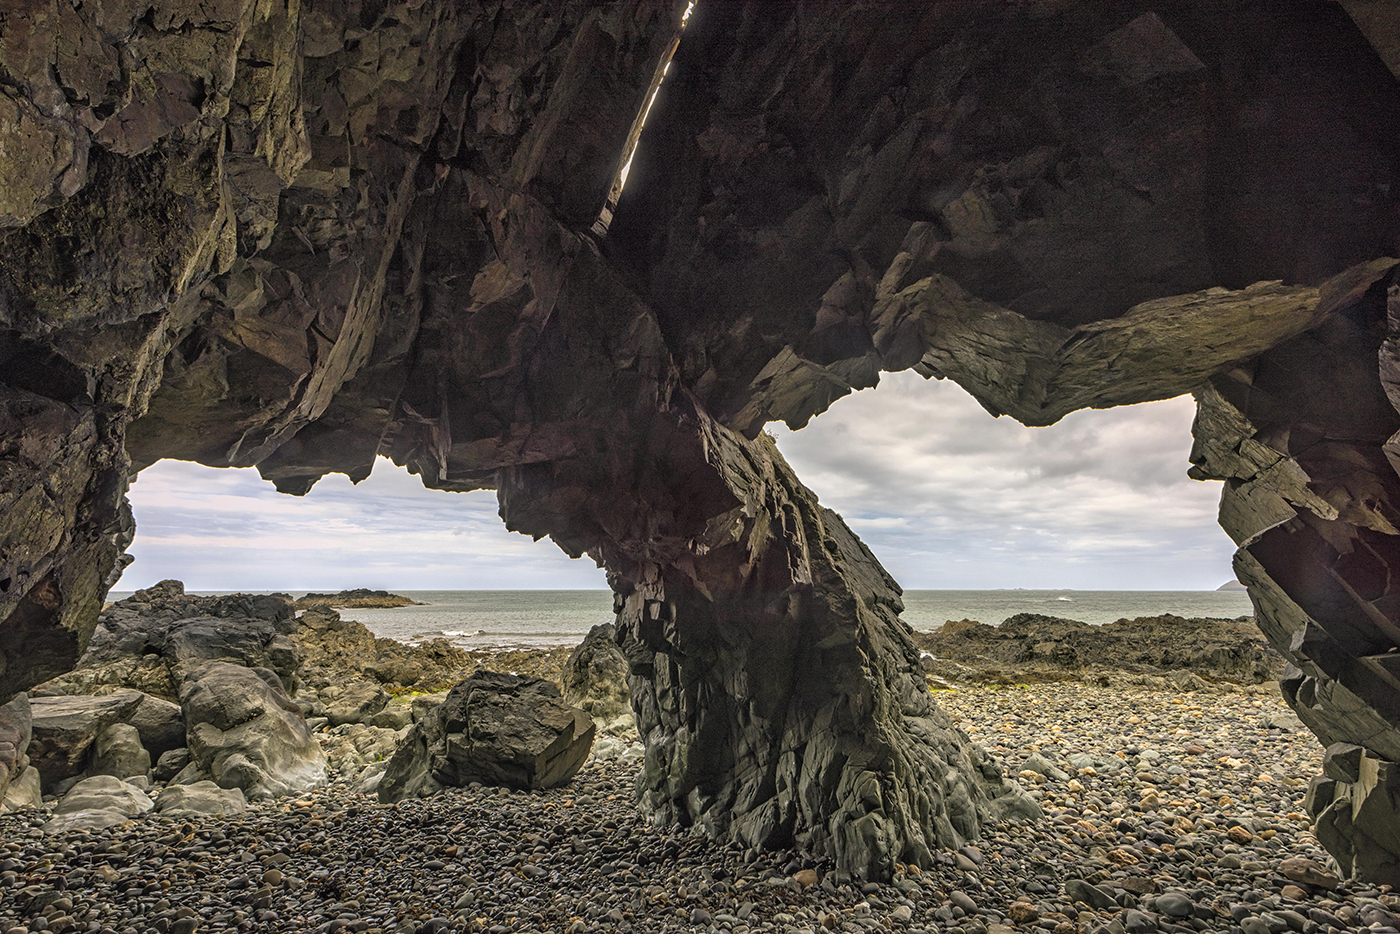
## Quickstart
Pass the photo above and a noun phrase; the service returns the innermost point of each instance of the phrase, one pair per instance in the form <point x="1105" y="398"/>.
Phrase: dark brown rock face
<point x="300" y="236"/>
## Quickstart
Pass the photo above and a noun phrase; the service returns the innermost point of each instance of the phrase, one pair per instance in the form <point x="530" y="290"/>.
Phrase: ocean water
<point x="495" y="618"/>
<point x="484" y="618"/>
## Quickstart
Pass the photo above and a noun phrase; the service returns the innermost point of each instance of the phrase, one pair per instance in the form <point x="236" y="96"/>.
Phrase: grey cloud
<point x="945" y="494"/>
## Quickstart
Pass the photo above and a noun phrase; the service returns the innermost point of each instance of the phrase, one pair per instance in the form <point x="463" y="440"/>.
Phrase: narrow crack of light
<point x="627" y="167"/>
<point x="600" y="226"/>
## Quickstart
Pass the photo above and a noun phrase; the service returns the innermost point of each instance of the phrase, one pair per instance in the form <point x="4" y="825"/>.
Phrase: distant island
<point x="359" y="598"/>
<point x="1232" y="585"/>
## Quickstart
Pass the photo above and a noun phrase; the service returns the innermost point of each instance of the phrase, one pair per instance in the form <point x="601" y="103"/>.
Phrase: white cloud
<point x="945" y="495"/>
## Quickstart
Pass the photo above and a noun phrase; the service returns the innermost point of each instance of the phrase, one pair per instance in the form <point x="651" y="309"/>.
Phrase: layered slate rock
<point x="244" y="732"/>
<point x="260" y="234"/>
<point x="496" y="729"/>
<point x="779" y="697"/>
<point x="1353" y="805"/>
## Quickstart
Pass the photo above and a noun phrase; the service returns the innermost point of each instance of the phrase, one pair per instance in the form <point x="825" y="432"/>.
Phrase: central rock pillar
<point x="778" y="694"/>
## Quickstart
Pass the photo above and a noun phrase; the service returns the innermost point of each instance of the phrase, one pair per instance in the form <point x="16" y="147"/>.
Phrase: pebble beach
<point x="1164" y="811"/>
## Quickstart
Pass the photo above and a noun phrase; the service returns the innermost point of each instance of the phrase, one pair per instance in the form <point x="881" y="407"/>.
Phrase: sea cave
<point x="298" y="236"/>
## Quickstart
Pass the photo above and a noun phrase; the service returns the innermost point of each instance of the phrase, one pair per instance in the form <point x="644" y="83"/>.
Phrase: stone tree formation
<point x="300" y="234"/>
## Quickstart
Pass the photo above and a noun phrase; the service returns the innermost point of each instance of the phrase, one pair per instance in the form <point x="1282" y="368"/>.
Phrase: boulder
<point x="1043" y="766"/>
<point x="493" y="728"/>
<point x="64" y="729"/>
<point x="595" y="679"/>
<point x="393" y="717"/>
<point x="424" y="704"/>
<point x="160" y="723"/>
<point x="397" y="670"/>
<point x="327" y="639"/>
<point x="367" y="782"/>
<point x="356" y="704"/>
<point x="170" y="764"/>
<point x="118" y="751"/>
<point x="16" y="728"/>
<point x="24" y="792"/>
<point x="244" y="732"/>
<point x="98" y="802"/>
<point x="200" y="800"/>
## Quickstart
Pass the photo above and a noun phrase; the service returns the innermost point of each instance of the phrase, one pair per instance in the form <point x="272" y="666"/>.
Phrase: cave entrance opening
<point x="221" y="529"/>
<point x="949" y="498"/>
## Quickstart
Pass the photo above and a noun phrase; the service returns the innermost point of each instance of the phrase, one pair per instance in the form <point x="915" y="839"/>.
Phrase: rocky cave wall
<point x="299" y="235"/>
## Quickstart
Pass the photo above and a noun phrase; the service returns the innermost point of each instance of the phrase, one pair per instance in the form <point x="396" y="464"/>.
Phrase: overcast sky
<point x="945" y="495"/>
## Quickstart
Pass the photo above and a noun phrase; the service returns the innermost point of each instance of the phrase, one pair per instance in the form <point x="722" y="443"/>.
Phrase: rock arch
<point x="299" y="235"/>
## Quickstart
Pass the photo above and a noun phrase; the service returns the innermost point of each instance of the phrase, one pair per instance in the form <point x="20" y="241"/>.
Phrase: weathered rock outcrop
<point x="245" y="733"/>
<point x="155" y="638"/>
<point x="1027" y="646"/>
<point x="594" y="679"/>
<point x="268" y="234"/>
<point x="493" y="728"/>
<point x="333" y="646"/>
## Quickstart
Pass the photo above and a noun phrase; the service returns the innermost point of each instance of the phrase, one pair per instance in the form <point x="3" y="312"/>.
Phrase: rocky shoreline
<point x="1164" y="812"/>
<point x="1155" y="652"/>
<point x="1172" y="778"/>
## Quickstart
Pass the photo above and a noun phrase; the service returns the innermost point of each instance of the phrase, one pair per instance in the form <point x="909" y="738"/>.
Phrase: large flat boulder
<point x="199" y="801"/>
<point x="493" y="728"/>
<point x="65" y="728"/>
<point x="244" y="732"/>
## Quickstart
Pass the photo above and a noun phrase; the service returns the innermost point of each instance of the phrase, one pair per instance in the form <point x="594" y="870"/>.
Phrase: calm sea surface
<point x="486" y="618"/>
